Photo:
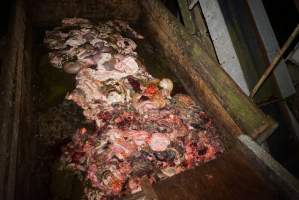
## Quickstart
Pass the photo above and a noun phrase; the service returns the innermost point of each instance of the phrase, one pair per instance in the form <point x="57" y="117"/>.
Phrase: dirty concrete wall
<point x="49" y="12"/>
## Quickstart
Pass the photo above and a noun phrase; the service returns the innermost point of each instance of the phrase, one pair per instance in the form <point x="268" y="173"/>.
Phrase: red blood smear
<point x="151" y="90"/>
<point x="105" y="116"/>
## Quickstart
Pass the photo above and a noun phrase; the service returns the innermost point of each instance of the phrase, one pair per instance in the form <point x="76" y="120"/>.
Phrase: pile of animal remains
<point x="141" y="130"/>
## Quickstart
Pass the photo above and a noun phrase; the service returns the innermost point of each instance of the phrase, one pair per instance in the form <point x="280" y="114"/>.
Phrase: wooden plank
<point x="230" y="176"/>
<point x="274" y="62"/>
<point x="195" y="25"/>
<point x="187" y="16"/>
<point x="202" y="76"/>
<point x="91" y="9"/>
<point x="276" y="172"/>
<point x="10" y="103"/>
<point x="17" y="101"/>
<point x="148" y="190"/>
<point x="268" y="39"/>
<point x="25" y="148"/>
<point x="203" y="33"/>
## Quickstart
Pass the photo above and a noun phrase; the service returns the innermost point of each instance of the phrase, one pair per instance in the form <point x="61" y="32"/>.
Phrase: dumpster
<point x="30" y="89"/>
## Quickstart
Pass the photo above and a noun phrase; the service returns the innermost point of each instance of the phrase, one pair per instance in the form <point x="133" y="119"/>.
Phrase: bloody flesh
<point x="140" y="129"/>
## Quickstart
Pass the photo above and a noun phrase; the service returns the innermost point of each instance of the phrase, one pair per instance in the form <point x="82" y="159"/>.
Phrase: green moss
<point x="53" y="83"/>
